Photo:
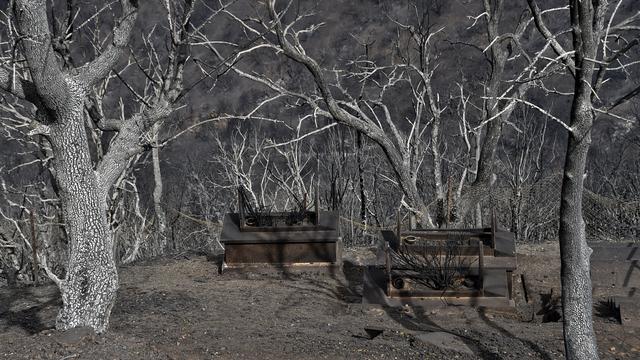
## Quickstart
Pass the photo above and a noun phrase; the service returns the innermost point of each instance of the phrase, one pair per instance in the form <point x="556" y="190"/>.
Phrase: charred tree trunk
<point x="89" y="289"/>
<point x="577" y="301"/>
<point x="587" y="20"/>
<point x="417" y="206"/>
<point x="60" y="92"/>
<point x="363" y="196"/>
<point x="437" y="159"/>
<point x="157" y="193"/>
<point x="492" y="109"/>
<point x="496" y="111"/>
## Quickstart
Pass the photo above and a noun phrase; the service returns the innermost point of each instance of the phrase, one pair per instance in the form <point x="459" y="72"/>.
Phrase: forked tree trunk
<point x="409" y="186"/>
<point x="89" y="288"/>
<point x="577" y="303"/>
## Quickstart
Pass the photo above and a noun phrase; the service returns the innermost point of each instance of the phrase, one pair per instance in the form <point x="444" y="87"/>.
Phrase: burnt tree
<point x="592" y="56"/>
<point x="43" y="73"/>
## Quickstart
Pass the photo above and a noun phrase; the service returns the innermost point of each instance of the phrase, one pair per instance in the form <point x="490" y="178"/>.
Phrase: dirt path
<point x="181" y="309"/>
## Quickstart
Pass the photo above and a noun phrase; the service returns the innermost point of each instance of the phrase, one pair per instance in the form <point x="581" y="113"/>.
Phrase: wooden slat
<point x="445" y="230"/>
<point x="284" y="253"/>
<point x="445" y="234"/>
<point x="374" y="293"/>
<point x="496" y="283"/>
<point x="490" y="262"/>
<point x="390" y="238"/>
<point x="629" y="311"/>
<point x="494" y="228"/>
<point x="326" y="232"/>
<point x="505" y="243"/>
<point x="461" y="250"/>
<point x="393" y="292"/>
<point x="481" y="267"/>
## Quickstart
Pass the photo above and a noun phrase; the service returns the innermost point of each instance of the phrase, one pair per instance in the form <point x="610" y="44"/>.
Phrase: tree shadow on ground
<point x="418" y="321"/>
<point x="30" y="318"/>
<point x="607" y="309"/>
<point x="337" y="289"/>
<point x="551" y="307"/>
<point x="346" y="286"/>
<point x="532" y="345"/>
